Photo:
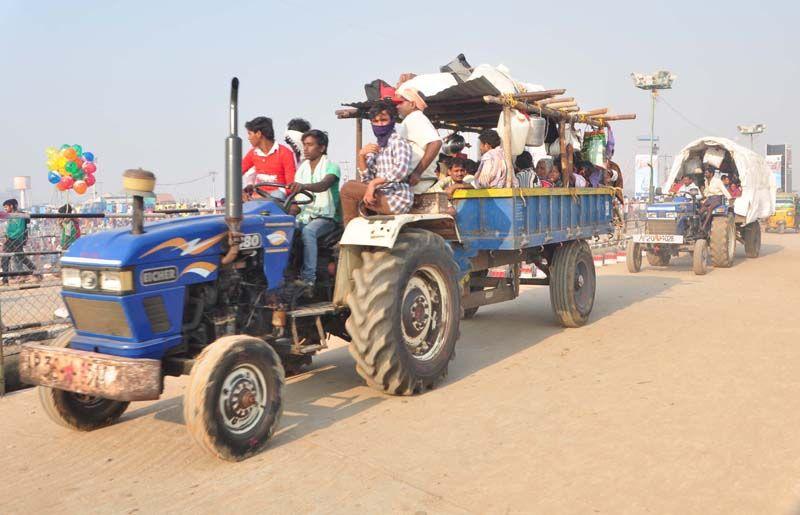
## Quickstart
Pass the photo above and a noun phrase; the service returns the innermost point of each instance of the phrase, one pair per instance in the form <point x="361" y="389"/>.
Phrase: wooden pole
<point x="507" y="146"/>
<point x="556" y="100"/>
<point x="359" y="140"/>
<point x="594" y="112"/>
<point x="561" y="105"/>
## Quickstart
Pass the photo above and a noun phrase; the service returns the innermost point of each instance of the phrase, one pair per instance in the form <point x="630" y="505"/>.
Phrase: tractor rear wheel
<point x="700" y="257"/>
<point x="752" y="239"/>
<point x="723" y="241"/>
<point x="76" y="410"/>
<point x="405" y="310"/>
<point x="235" y="397"/>
<point x="572" y="283"/>
<point x="633" y="257"/>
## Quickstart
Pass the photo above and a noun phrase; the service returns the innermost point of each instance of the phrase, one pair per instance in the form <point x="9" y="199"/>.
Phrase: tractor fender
<point x="382" y="231"/>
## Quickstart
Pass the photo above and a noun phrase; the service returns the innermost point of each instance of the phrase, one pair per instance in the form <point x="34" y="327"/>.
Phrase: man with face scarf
<point x="383" y="168"/>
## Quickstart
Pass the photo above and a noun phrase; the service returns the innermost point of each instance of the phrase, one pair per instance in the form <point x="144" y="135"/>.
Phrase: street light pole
<point x="752" y="130"/>
<point x="661" y="79"/>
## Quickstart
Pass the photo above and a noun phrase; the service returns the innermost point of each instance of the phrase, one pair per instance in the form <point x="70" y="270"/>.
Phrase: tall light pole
<point x="752" y="130"/>
<point x="661" y="79"/>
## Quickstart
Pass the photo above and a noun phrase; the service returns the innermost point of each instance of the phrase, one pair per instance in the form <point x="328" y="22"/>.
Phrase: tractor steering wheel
<point x="289" y="200"/>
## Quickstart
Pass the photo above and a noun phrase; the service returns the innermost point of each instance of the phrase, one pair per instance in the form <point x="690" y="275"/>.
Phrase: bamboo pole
<point x="507" y="146"/>
<point x="572" y="109"/>
<point x="560" y="105"/>
<point x="556" y="100"/>
<point x="594" y="112"/>
<point x="359" y="139"/>
<point x="539" y="95"/>
<point x="350" y="112"/>
<point x="615" y="117"/>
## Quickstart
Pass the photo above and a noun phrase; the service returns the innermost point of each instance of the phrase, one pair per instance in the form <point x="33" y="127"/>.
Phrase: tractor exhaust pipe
<point x="233" y="177"/>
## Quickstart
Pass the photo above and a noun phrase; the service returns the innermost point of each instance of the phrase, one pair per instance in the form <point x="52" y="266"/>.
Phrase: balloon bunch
<point x="70" y="168"/>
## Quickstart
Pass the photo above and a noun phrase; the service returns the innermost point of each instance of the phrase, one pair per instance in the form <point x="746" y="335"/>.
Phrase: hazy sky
<point x="146" y="83"/>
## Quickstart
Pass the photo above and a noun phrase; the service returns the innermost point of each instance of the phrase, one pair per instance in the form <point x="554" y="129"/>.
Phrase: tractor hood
<point x="161" y="241"/>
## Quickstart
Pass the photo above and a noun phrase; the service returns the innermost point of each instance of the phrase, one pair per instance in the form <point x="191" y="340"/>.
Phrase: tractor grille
<point x="156" y="313"/>
<point x="662" y="227"/>
<point x="98" y="316"/>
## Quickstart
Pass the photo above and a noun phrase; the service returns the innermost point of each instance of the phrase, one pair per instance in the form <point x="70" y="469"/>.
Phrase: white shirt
<point x="687" y="189"/>
<point x="716" y="187"/>
<point x="419" y="131"/>
<point x="580" y="180"/>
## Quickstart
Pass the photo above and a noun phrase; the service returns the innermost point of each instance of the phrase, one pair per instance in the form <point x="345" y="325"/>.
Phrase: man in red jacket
<point x="271" y="161"/>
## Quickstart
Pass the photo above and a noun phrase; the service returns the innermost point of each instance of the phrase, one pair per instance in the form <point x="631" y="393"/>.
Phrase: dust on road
<point x="682" y="395"/>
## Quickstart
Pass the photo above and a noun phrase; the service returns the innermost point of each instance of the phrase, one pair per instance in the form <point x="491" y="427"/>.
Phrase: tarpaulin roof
<point x="758" y="184"/>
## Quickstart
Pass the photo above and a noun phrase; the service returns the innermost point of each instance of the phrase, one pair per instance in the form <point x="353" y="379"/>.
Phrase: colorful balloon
<point x="89" y="167"/>
<point x="53" y="177"/>
<point x="78" y="149"/>
<point x="90" y="180"/>
<point x="64" y="146"/>
<point x="67" y="182"/>
<point x="79" y="187"/>
<point x="71" y="167"/>
<point x="88" y="156"/>
<point x="79" y="162"/>
<point x="51" y="151"/>
<point x="68" y="153"/>
<point x="78" y="174"/>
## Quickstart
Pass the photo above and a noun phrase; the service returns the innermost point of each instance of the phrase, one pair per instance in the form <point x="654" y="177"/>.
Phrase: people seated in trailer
<point x="471" y="166"/>
<point x="593" y="174"/>
<point x="267" y="161"/>
<point x="715" y="192"/>
<point x="732" y="187"/>
<point x="554" y="176"/>
<point x="676" y="186"/>
<point x="492" y="170"/>
<point x="687" y="185"/>
<point x="457" y="178"/>
<point x="383" y="169"/>
<point x="425" y="142"/>
<point x="543" y="167"/>
<point x="320" y="176"/>
<point x="577" y="180"/>
<point x="525" y="172"/>
<point x="294" y="137"/>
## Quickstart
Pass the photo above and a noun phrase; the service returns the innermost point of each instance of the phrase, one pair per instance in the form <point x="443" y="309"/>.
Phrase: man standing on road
<point x="16" y="236"/>
<point x="425" y="142"/>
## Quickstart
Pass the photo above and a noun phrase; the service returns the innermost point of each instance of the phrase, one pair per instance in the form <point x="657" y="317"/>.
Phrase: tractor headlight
<point x="117" y="281"/>
<point x="790" y="213"/>
<point x="88" y="280"/>
<point x="71" y="277"/>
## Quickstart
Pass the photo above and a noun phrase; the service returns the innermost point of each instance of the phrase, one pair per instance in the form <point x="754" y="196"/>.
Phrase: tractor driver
<point x="320" y="218"/>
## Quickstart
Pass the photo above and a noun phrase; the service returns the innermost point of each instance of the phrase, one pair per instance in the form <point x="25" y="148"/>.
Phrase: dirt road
<point x="681" y="396"/>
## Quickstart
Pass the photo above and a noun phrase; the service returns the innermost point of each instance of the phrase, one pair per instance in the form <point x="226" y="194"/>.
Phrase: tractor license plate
<point x="90" y="373"/>
<point x="657" y="238"/>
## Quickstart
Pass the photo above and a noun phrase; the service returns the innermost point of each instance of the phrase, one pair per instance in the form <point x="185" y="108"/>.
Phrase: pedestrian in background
<point x="16" y="236"/>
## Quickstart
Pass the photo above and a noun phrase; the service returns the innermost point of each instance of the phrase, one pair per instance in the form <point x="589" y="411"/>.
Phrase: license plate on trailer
<point x="657" y="238"/>
<point x="90" y="373"/>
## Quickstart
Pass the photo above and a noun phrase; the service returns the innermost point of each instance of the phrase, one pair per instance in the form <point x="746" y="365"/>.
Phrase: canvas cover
<point x="758" y="184"/>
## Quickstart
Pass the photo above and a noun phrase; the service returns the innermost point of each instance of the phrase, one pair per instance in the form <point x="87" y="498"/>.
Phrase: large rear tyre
<point x="752" y="239"/>
<point x="633" y="257"/>
<point x="700" y="257"/>
<point x="404" y="313"/>
<point x="235" y="397"/>
<point x="572" y="283"/>
<point x="75" y="410"/>
<point x="658" y="259"/>
<point x="723" y="241"/>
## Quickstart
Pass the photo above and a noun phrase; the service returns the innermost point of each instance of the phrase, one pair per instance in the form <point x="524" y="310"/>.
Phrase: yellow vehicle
<point x="785" y="216"/>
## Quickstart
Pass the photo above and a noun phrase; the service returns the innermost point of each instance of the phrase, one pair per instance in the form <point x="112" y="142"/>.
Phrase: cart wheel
<point x="700" y="257"/>
<point x="723" y="241"/>
<point x="234" y="400"/>
<point x="75" y="410"/>
<point x="752" y="239"/>
<point x="633" y="257"/>
<point x="781" y="228"/>
<point x="572" y="283"/>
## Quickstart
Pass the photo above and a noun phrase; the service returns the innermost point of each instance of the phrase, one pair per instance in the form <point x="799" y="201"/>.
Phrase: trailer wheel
<point x="633" y="257"/>
<point x="572" y="283"/>
<point x="235" y="397"/>
<point x="723" y="241"/>
<point x="75" y="410"/>
<point x="781" y="227"/>
<point x="404" y="313"/>
<point x="752" y="239"/>
<point x="700" y="257"/>
<point x="658" y="258"/>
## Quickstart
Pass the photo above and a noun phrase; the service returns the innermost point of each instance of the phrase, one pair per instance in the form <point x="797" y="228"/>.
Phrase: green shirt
<point x="327" y="203"/>
<point x="17" y="229"/>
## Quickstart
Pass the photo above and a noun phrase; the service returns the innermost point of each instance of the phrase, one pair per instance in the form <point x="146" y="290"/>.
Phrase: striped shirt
<point x="393" y="163"/>
<point x="492" y="171"/>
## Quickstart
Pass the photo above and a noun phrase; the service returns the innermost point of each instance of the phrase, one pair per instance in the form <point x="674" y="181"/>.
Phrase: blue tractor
<point x="208" y="297"/>
<point x="674" y="225"/>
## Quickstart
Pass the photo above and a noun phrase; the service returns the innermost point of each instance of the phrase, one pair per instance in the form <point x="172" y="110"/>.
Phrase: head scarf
<point x="413" y="96"/>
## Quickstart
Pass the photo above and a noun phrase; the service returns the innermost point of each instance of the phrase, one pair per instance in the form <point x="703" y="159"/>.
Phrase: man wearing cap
<point x="420" y="133"/>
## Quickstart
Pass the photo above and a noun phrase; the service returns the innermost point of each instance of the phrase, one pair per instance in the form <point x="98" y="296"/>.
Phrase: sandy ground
<point x="681" y="396"/>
